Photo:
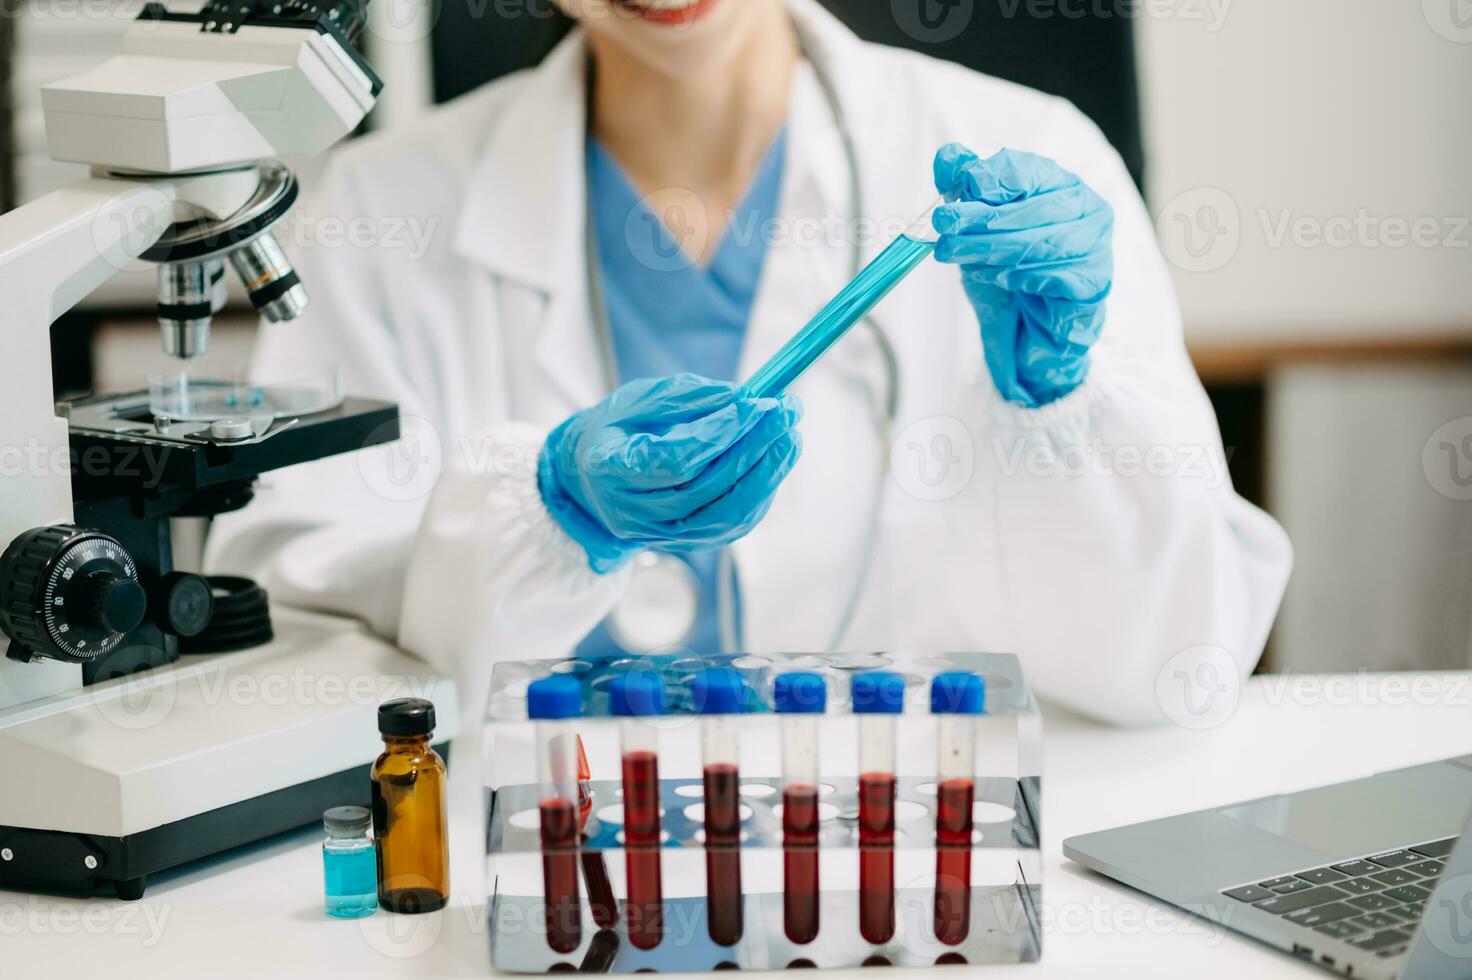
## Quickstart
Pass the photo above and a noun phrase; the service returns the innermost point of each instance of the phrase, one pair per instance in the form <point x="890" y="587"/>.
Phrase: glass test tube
<point x="801" y="699"/>
<point x="719" y="696"/>
<point x="956" y="700"/>
<point x="595" y="870"/>
<point x="851" y="305"/>
<point x="550" y="702"/>
<point x="634" y="696"/>
<point x="878" y="696"/>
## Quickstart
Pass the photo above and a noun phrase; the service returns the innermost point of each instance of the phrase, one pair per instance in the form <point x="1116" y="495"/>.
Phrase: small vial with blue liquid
<point x="349" y="864"/>
<point x="851" y="305"/>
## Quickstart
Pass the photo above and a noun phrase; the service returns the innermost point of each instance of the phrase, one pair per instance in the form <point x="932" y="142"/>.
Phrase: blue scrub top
<point x="667" y="314"/>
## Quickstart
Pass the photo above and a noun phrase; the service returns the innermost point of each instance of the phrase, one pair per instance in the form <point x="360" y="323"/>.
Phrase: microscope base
<point x="141" y="774"/>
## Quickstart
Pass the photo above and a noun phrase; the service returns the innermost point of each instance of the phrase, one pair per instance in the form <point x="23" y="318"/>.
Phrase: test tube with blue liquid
<point x="851" y="305"/>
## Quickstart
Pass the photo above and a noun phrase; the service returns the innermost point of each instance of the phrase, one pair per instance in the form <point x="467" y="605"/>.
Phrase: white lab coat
<point x="1098" y="536"/>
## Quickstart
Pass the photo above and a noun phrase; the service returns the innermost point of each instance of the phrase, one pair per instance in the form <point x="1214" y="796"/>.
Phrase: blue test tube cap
<point x="800" y="692"/>
<point x="957" y="693"/>
<point x="878" y="692"/>
<point x="636" y="694"/>
<point x="554" y="697"/>
<point x="719" y="691"/>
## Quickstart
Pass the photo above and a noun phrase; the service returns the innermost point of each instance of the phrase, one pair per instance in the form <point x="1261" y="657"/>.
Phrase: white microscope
<point x="150" y="717"/>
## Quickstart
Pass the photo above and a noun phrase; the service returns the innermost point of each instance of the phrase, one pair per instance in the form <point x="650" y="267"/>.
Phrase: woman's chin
<point x="710" y="35"/>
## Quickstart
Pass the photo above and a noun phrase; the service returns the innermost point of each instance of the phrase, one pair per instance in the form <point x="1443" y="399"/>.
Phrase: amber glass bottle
<point x="409" y="811"/>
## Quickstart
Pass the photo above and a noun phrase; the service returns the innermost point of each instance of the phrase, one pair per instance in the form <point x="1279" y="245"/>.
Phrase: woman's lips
<point x="669" y="16"/>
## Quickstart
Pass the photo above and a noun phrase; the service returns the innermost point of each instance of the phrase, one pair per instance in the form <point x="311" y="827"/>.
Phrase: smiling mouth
<point x="667" y="12"/>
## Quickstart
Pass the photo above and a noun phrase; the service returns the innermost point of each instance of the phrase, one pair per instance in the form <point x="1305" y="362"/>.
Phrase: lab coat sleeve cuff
<point x="1065" y="415"/>
<point x="523" y="494"/>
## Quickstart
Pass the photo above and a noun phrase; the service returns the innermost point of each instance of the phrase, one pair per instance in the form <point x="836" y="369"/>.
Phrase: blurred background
<point x="1307" y="167"/>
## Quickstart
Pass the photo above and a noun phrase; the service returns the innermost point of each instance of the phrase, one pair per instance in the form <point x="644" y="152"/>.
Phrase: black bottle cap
<point x="406" y="717"/>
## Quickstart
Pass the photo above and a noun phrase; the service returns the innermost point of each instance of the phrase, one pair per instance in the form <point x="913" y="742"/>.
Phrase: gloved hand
<point x="681" y="464"/>
<point x="1033" y="244"/>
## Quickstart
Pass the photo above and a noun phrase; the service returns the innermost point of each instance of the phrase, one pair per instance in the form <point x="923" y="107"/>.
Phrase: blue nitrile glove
<point x="680" y="463"/>
<point x="1033" y="244"/>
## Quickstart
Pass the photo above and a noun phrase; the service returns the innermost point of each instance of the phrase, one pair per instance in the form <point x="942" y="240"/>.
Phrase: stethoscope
<point x="660" y="607"/>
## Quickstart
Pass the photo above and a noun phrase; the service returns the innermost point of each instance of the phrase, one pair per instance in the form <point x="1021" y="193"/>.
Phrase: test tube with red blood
<point x="800" y="698"/>
<point x="878" y="699"/>
<point x="635" y="697"/>
<point x="720" y="697"/>
<point x="550" y="703"/>
<point x="956" y="699"/>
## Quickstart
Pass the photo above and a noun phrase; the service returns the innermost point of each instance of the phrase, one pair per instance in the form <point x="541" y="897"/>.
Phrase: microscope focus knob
<point x="68" y="593"/>
<point x="108" y="602"/>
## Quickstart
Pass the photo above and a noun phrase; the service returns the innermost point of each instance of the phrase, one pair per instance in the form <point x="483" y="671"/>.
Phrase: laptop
<point x="1370" y="878"/>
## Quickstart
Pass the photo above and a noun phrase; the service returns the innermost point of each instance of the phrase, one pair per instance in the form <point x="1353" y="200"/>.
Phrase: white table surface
<point x="257" y="913"/>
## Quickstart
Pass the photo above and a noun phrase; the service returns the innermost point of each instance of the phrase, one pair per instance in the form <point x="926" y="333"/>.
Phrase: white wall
<point x="1372" y="478"/>
<point x="1316" y="109"/>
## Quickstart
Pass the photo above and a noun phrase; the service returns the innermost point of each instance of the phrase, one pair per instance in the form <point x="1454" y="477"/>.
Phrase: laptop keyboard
<point x="1373" y="902"/>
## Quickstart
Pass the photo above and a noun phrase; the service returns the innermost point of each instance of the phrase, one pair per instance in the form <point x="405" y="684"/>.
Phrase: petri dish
<point x="180" y="396"/>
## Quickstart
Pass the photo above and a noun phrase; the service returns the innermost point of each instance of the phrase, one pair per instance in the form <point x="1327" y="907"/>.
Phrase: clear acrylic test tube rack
<point x="1006" y="866"/>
